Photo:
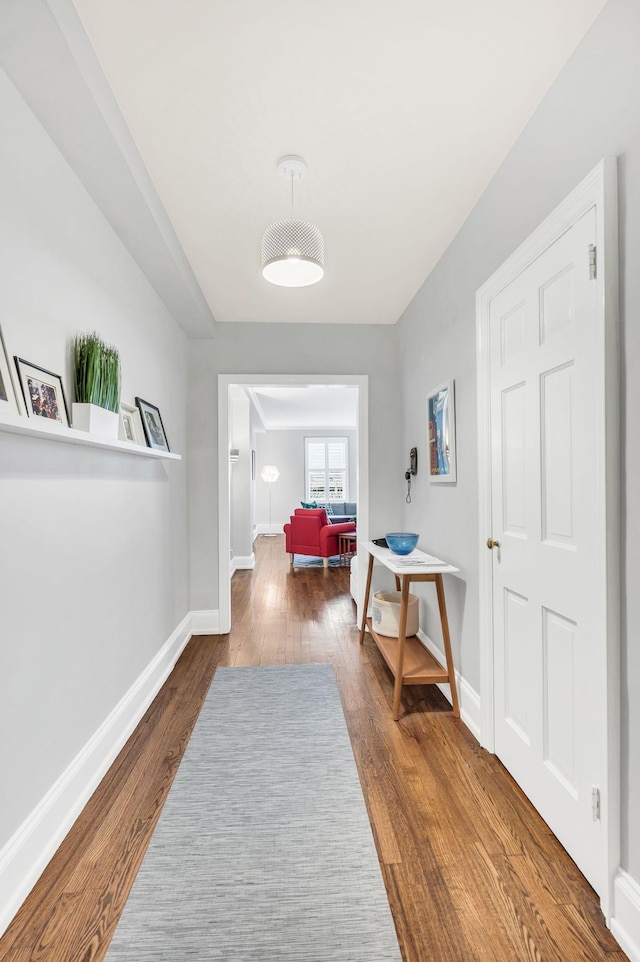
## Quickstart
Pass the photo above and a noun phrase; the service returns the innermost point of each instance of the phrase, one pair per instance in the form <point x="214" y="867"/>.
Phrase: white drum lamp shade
<point x="292" y="254"/>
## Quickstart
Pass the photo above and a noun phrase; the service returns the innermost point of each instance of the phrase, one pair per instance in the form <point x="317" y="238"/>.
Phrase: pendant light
<point x="292" y="250"/>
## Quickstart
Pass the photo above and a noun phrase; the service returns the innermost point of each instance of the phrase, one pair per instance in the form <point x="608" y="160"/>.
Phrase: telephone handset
<point x="412" y="470"/>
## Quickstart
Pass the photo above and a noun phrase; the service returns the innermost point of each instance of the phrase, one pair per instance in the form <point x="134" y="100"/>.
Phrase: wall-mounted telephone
<point x="412" y="470"/>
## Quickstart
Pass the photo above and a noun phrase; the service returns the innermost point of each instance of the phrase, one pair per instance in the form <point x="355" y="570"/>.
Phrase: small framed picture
<point x="9" y="397"/>
<point x="441" y="429"/>
<point x="130" y="427"/>
<point x="42" y="392"/>
<point x="152" y="425"/>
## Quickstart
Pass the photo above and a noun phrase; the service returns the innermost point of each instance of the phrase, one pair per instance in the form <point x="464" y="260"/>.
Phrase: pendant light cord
<point x="291" y="218"/>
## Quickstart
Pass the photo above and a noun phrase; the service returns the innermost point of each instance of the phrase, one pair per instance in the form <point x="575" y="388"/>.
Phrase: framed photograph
<point x="253" y="465"/>
<point x="130" y="426"/>
<point x="152" y="425"/>
<point x="42" y="392"/>
<point x="9" y="397"/>
<point x="441" y="428"/>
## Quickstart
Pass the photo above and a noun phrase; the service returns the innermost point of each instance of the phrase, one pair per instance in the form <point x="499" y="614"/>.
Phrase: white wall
<point x="286" y="450"/>
<point x="256" y="429"/>
<point x="592" y="111"/>
<point x="94" y="560"/>
<point x="240" y="513"/>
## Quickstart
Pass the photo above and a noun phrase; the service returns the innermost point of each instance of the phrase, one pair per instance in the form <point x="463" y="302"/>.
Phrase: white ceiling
<point x="306" y="407"/>
<point x="403" y="112"/>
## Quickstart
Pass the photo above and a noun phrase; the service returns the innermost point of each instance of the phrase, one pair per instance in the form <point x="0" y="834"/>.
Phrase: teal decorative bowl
<point x="402" y="542"/>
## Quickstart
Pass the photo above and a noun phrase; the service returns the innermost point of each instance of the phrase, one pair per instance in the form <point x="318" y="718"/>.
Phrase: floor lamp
<point x="270" y="474"/>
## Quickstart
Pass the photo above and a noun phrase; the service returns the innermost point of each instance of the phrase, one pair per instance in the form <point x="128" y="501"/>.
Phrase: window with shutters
<point x="326" y="462"/>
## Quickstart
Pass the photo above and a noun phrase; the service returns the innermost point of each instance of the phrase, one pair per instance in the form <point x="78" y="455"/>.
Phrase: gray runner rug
<point x="263" y="850"/>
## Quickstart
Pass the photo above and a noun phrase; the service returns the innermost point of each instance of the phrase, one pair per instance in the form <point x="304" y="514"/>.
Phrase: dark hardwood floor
<point x="471" y="870"/>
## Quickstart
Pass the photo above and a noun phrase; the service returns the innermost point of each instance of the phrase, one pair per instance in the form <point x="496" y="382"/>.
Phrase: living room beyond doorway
<point x="272" y="433"/>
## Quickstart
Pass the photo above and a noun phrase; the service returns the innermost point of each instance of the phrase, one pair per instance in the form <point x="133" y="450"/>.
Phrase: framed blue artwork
<point x="441" y="432"/>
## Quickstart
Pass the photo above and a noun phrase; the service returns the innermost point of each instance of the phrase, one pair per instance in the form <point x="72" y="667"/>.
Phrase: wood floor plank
<point x="548" y="926"/>
<point x="472" y="872"/>
<point x="575" y="920"/>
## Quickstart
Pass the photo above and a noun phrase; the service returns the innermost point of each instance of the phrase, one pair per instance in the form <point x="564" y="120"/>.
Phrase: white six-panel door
<point x="544" y="492"/>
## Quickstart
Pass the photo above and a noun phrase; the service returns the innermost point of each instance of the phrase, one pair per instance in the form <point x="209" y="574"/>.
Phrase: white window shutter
<point x="326" y="469"/>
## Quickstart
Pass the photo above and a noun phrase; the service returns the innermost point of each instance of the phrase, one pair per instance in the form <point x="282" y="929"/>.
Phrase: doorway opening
<point x="227" y="383"/>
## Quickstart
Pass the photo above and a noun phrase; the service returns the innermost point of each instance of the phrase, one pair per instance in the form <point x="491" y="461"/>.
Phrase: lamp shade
<point x="270" y="473"/>
<point x="292" y="254"/>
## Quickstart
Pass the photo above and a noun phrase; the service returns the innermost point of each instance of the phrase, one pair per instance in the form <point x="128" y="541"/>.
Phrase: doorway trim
<point x="225" y="381"/>
<point x="599" y="190"/>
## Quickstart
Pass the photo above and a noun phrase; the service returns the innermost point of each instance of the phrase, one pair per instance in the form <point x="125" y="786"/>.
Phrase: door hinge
<point x="592" y="262"/>
<point x="595" y="803"/>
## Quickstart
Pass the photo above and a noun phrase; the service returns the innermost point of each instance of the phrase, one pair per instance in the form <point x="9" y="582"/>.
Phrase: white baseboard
<point x="243" y="562"/>
<point x="205" y="622"/>
<point x="274" y="528"/>
<point x="255" y="533"/>
<point x="26" y="854"/>
<point x="468" y="697"/>
<point x="625" y="920"/>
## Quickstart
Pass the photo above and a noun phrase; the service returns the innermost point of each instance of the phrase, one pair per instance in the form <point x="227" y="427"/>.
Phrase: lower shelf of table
<point x="419" y="665"/>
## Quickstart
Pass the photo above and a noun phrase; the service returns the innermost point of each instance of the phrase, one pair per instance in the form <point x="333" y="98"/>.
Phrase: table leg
<point x="444" y="621"/>
<point x="366" y="599"/>
<point x="402" y="630"/>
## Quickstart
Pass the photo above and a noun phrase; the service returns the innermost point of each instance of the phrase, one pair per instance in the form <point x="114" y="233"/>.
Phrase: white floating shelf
<point x="52" y="431"/>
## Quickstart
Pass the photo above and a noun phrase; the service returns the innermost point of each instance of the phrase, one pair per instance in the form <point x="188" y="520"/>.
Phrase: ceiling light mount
<point x="292" y="166"/>
<point x="292" y="250"/>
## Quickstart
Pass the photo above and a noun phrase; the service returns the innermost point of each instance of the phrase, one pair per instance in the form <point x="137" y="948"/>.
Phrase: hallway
<point x="471" y="871"/>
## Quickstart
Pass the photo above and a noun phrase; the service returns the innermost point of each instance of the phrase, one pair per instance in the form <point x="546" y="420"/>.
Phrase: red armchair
<point x="310" y="533"/>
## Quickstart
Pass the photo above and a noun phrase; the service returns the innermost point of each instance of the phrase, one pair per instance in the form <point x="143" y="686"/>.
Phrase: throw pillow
<point x="328" y="508"/>
<point x="308" y="504"/>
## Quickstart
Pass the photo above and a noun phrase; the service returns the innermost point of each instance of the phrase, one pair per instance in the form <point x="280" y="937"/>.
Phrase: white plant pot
<point x="95" y="420"/>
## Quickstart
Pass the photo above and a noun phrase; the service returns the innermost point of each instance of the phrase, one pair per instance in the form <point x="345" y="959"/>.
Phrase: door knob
<point x="492" y="544"/>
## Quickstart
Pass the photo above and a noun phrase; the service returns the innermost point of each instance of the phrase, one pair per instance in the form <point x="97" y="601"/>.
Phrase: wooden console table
<point x="408" y="660"/>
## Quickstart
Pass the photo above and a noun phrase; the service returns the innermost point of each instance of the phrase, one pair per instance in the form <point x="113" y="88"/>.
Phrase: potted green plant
<point x="96" y="379"/>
